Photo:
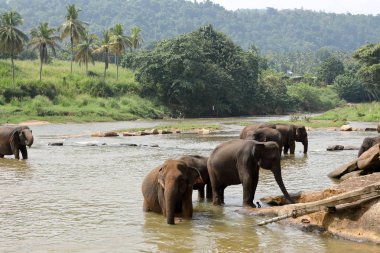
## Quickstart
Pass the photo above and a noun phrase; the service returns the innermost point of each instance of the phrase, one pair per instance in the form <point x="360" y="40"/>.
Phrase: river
<point x="78" y="198"/>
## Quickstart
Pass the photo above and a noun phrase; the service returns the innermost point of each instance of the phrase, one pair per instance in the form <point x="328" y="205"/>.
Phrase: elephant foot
<point x="249" y="205"/>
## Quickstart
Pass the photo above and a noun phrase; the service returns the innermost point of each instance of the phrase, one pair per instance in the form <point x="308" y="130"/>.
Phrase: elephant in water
<point x="238" y="162"/>
<point x="168" y="189"/>
<point x="14" y="139"/>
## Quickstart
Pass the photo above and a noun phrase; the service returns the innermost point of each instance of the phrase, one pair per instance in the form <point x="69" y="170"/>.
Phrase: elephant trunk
<point x="305" y="143"/>
<point x="278" y="177"/>
<point x="170" y="201"/>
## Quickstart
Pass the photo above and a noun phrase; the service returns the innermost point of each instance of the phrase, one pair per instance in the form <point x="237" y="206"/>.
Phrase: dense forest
<point x="269" y="30"/>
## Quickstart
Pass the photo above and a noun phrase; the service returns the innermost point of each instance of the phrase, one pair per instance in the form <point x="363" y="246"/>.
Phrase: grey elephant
<point x="168" y="189"/>
<point x="367" y="143"/>
<point x="200" y="164"/>
<point x="14" y="139"/>
<point x="265" y="134"/>
<point x="238" y="162"/>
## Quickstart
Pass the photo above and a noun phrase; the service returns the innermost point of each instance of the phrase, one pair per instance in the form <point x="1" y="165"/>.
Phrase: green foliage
<point x="309" y="98"/>
<point x="356" y="112"/>
<point x="202" y="73"/>
<point x="350" y="88"/>
<point x="271" y="30"/>
<point x="369" y="57"/>
<point x="329" y="69"/>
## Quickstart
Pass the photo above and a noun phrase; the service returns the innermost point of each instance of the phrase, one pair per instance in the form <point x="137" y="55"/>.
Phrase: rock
<point x="370" y="129"/>
<point x="344" y="169"/>
<point x="204" y="131"/>
<point x="154" y="146"/>
<point x="143" y="133"/>
<point x="335" y="147"/>
<point x="154" y="131"/>
<point x="129" y="134"/>
<point x="104" y="134"/>
<point x="129" y="144"/>
<point x="56" y="143"/>
<point x="355" y="173"/>
<point x="166" y="131"/>
<point x="346" y="128"/>
<point x="370" y="159"/>
<point x="351" y="148"/>
<point x="378" y="127"/>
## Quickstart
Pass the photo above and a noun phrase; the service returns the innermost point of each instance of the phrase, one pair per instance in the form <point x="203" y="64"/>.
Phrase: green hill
<point x="269" y="30"/>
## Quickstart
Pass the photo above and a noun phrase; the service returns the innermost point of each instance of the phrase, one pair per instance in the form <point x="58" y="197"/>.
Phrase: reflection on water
<point x="78" y="198"/>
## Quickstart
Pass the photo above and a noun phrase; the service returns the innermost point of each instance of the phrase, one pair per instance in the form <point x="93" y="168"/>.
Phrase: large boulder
<point x="346" y="128"/>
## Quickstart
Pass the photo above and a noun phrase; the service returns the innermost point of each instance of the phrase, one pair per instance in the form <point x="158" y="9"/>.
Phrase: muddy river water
<point x="80" y="198"/>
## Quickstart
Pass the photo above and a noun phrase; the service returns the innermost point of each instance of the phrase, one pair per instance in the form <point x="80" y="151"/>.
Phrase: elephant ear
<point x="259" y="137"/>
<point x="257" y="150"/>
<point x="194" y="176"/>
<point x="292" y="131"/>
<point x="15" y="139"/>
<point x="160" y="177"/>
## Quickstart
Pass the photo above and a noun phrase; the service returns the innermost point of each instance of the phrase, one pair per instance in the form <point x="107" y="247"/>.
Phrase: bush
<point x="350" y="88"/>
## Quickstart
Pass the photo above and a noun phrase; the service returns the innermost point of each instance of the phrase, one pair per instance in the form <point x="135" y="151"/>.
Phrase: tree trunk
<point x="72" y="53"/>
<point x="41" y="69"/>
<point x="13" y="66"/>
<point x="117" y="67"/>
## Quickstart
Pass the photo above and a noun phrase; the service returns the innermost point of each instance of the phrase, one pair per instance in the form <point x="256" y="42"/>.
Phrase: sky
<point x="336" y="6"/>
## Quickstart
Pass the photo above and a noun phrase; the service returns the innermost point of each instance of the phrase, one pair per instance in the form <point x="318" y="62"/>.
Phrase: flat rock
<point x="56" y="143"/>
<point x="344" y="169"/>
<point x="346" y="128"/>
<point x="104" y="134"/>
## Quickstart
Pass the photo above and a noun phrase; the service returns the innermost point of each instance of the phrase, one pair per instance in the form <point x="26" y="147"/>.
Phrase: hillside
<point x="269" y="30"/>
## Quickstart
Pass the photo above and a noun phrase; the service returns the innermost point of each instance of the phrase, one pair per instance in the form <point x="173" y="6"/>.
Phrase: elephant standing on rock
<point x="168" y="189"/>
<point x="368" y="143"/>
<point x="14" y="139"/>
<point x="238" y="162"/>
<point x="200" y="164"/>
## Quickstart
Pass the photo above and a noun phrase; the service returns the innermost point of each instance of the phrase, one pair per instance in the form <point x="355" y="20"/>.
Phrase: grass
<point x="61" y="97"/>
<point x="182" y="126"/>
<point x="369" y="112"/>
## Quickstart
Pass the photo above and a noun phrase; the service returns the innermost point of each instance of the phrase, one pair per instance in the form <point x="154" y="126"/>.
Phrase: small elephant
<point x="168" y="189"/>
<point x="14" y="139"/>
<point x="238" y="162"/>
<point x="290" y="135"/>
<point x="200" y="163"/>
<point x="368" y="142"/>
<point x="249" y="129"/>
<point x="266" y="134"/>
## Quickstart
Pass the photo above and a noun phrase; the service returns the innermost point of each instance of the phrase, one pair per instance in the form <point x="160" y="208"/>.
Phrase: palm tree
<point x="12" y="40"/>
<point x="74" y="28"/>
<point x="85" y="49"/>
<point x="105" y="48"/>
<point x="119" y="43"/>
<point x="135" y="37"/>
<point x="43" y="37"/>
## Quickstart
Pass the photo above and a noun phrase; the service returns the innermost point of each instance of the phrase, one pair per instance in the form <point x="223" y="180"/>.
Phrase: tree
<point x="369" y="72"/>
<point x="43" y="37"/>
<point x="135" y="37"/>
<point x="329" y="69"/>
<point x="73" y="28"/>
<point x="12" y="40"/>
<point x="105" y="48"/>
<point x="119" y="44"/>
<point x="85" y="49"/>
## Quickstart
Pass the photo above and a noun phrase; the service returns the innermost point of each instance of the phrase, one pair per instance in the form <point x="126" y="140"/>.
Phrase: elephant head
<point x="176" y="182"/>
<point x="268" y="156"/>
<point x="301" y="136"/>
<point x="25" y="136"/>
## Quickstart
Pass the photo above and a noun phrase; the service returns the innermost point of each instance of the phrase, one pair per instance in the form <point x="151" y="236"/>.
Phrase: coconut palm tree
<point x="73" y="28"/>
<point x="12" y="40"/>
<point x="86" y="48"/>
<point x="135" y="37"/>
<point x="120" y="43"/>
<point x="43" y="37"/>
<point x="105" y="48"/>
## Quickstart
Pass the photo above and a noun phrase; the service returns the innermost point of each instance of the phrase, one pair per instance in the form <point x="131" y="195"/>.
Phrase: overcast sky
<point x="337" y="6"/>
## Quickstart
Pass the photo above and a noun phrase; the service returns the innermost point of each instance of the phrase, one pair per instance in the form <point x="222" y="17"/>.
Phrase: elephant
<point x="14" y="139"/>
<point x="266" y="134"/>
<point x="249" y="129"/>
<point x="238" y="162"/>
<point x="291" y="134"/>
<point x="368" y="142"/>
<point x="168" y="189"/>
<point x="200" y="164"/>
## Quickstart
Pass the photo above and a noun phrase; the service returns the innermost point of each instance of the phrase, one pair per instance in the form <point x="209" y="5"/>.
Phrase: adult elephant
<point x="200" y="164"/>
<point x="238" y="162"/>
<point x="248" y="130"/>
<point x="14" y="139"/>
<point x="368" y="143"/>
<point x="291" y="134"/>
<point x="168" y="189"/>
<point x="266" y="134"/>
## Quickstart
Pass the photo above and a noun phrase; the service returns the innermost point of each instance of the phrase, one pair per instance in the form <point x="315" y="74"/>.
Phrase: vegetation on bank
<point x="61" y="97"/>
<point x="353" y="112"/>
<point x="183" y="126"/>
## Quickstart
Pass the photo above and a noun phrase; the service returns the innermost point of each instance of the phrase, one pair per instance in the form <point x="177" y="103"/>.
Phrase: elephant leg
<point x="1" y="156"/>
<point x="201" y="192"/>
<point x="145" y="206"/>
<point x="208" y="191"/>
<point x="16" y="152"/>
<point x="187" y="205"/>
<point x="292" y="148"/>
<point x="217" y="193"/>
<point x="249" y="188"/>
<point x="24" y="152"/>
<point x="286" y="148"/>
